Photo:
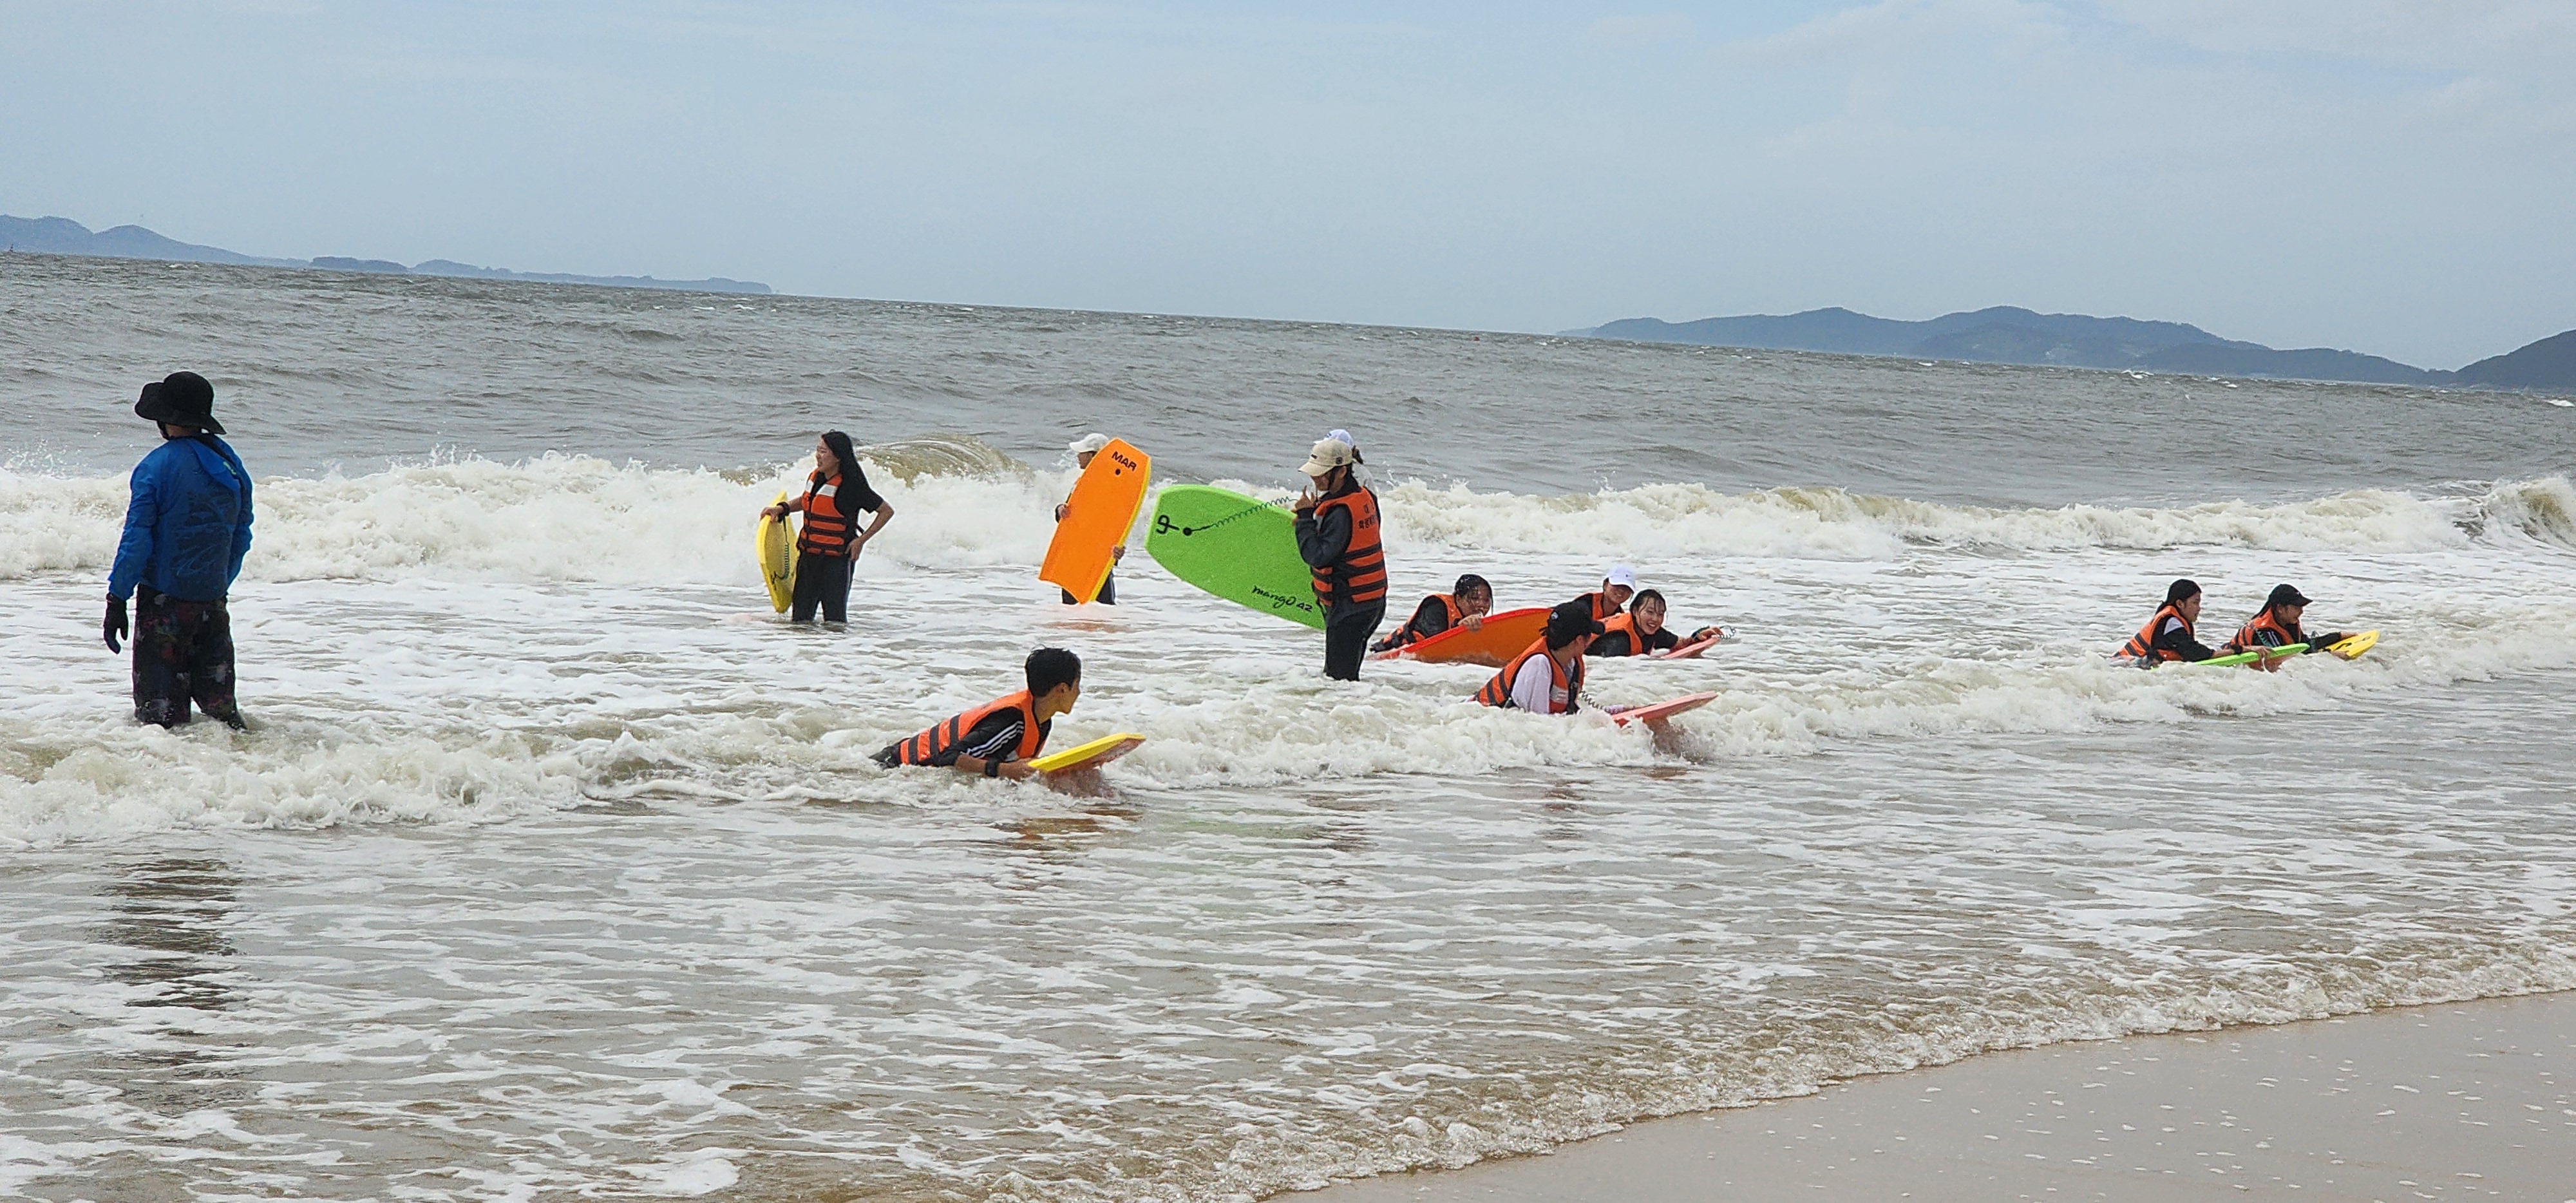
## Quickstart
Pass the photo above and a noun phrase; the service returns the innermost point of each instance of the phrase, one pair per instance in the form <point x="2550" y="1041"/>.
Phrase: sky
<point x="2395" y="178"/>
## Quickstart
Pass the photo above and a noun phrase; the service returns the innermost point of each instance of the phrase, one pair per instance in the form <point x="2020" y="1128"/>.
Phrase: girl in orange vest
<point x="1641" y="630"/>
<point x="1617" y="586"/>
<point x="1000" y="737"/>
<point x="1548" y="678"/>
<point x="1337" y="534"/>
<point x="835" y="495"/>
<point x="1464" y="607"/>
<point x="2168" y="635"/>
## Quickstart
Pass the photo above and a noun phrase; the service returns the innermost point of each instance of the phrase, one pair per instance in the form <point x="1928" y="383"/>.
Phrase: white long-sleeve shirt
<point x="1535" y="690"/>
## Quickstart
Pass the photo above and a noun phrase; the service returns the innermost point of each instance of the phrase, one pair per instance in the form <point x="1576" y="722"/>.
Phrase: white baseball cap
<point x="1621" y="574"/>
<point x="1088" y="443"/>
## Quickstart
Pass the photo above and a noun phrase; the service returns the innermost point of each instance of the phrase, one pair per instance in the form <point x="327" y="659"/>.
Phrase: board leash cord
<point x="1187" y="531"/>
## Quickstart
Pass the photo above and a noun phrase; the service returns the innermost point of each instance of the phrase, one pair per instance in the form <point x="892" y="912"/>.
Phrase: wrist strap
<point x="992" y="768"/>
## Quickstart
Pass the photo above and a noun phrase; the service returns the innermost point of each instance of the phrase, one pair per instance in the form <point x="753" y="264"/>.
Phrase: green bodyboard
<point x="1236" y="547"/>
<point x="2276" y="653"/>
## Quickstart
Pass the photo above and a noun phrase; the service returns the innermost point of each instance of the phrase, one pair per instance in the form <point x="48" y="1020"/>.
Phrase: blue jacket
<point x="189" y="523"/>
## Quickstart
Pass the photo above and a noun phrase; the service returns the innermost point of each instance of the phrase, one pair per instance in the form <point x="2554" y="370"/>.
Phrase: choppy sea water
<point x="554" y="866"/>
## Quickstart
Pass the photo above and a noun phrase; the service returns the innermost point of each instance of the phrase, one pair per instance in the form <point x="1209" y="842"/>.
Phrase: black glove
<point x="114" y="628"/>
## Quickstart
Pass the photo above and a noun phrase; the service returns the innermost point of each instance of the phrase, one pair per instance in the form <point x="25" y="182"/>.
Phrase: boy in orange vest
<point x="999" y="738"/>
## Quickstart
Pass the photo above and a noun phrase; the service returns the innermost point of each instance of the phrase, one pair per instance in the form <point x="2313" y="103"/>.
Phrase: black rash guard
<point x="2176" y="638"/>
<point x="1429" y="619"/>
<point x="1616" y="643"/>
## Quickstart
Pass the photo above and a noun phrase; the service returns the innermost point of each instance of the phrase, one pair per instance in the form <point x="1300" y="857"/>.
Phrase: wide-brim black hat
<point x="181" y="399"/>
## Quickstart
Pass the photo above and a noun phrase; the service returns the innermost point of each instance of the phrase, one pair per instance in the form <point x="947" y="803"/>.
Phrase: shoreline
<point x="2465" y="1100"/>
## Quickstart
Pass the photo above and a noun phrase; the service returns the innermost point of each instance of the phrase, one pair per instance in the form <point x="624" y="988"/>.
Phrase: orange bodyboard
<point x="1096" y="519"/>
<point x="1502" y="637"/>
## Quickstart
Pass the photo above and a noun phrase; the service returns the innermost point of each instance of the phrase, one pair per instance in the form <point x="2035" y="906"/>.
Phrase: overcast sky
<point x="2394" y="178"/>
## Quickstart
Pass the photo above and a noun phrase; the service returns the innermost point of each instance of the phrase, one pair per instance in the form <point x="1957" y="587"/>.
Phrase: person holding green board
<point x="1337" y="536"/>
<point x="2278" y="626"/>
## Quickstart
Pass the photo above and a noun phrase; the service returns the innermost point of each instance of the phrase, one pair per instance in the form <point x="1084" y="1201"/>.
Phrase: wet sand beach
<point x="2453" y="1101"/>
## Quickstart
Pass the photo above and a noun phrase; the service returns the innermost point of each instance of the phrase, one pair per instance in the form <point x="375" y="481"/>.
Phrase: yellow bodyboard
<point x="777" y="543"/>
<point x="1098" y="752"/>
<point x="2354" y="645"/>
<point x="1096" y="519"/>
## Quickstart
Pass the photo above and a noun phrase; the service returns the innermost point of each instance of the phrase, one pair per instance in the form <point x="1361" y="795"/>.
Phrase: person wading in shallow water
<point x="186" y="531"/>
<point x="829" y="543"/>
<point x="1337" y="534"/>
<point x="1084" y="449"/>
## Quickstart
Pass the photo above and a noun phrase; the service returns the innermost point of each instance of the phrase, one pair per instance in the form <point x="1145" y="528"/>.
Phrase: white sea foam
<point x="573" y="518"/>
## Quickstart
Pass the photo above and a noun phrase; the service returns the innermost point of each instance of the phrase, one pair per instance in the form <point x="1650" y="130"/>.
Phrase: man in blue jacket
<point x="185" y="533"/>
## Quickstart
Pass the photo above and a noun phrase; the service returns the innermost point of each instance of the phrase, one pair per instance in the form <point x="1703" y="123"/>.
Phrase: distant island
<point x="2005" y="334"/>
<point x="63" y="236"/>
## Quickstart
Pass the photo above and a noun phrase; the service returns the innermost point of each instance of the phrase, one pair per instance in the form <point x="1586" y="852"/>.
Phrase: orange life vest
<point x="2249" y="636"/>
<point x="2142" y="646"/>
<point x="1602" y="610"/>
<point x="922" y="748"/>
<point x="827" y="529"/>
<point x="1359" y="576"/>
<point x="1498" y="692"/>
<point x="1407" y="636"/>
<point x="1623" y="624"/>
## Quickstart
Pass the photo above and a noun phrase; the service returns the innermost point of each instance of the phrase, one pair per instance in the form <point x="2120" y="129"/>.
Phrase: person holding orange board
<point x="829" y="544"/>
<point x="999" y="738"/>
<point x="1084" y="449"/>
<point x="1548" y="678"/>
<point x="1337" y="536"/>
<point x="1640" y="631"/>
<point x="1464" y="608"/>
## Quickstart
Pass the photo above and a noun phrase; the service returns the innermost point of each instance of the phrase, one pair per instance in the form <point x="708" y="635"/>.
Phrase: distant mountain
<point x="2549" y="364"/>
<point x="63" y="236"/>
<point x="2005" y="334"/>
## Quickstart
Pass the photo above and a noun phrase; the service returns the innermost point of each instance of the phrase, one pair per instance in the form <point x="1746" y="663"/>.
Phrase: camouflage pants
<point x="183" y="652"/>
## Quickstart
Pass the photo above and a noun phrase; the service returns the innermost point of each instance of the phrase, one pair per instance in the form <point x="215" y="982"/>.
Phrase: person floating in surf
<point x="2168" y="635"/>
<point x="2278" y="626"/>
<point x="1463" y="607"/>
<point x="1617" y="586"/>
<point x="829" y="543"/>
<point x="1548" y="678"/>
<point x="1641" y="631"/>
<point x="1083" y="449"/>
<point x="1337" y="535"/>
<point x="187" y="528"/>
<point x="999" y="738"/>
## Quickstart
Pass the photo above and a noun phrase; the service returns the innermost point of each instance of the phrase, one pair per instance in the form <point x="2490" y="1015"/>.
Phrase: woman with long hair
<point x="835" y="494"/>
